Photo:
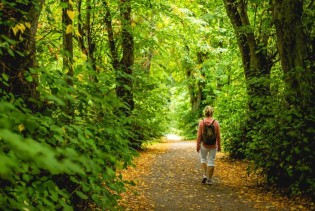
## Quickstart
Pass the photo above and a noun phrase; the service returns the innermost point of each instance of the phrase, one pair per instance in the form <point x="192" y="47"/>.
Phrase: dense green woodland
<point x="84" y="83"/>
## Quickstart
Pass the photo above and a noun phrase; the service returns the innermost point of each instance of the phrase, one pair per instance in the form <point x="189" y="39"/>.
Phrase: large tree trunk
<point x="122" y="67"/>
<point x="19" y="56"/>
<point x="256" y="63"/>
<point x="124" y="76"/>
<point x="295" y="50"/>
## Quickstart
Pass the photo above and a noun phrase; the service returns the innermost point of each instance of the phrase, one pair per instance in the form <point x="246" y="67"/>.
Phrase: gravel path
<point x="167" y="177"/>
<point x="174" y="183"/>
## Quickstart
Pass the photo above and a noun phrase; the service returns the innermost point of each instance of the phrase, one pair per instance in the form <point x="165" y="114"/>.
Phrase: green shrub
<point x="53" y="160"/>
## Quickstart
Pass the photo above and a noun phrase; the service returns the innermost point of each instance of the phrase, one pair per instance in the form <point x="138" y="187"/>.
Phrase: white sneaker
<point x="209" y="182"/>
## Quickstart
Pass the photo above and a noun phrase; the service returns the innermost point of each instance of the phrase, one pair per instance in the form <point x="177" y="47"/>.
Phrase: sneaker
<point x="209" y="182"/>
<point x="204" y="179"/>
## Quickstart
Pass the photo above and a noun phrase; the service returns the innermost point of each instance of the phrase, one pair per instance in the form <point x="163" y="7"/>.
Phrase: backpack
<point x="208" y="133"/>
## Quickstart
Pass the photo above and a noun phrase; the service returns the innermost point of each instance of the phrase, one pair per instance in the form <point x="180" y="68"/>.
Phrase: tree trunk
<point x="85" y="40"/>
<point x="91" y="43"/>
<point x="67" y="33"/>
<point x="124" y="76"/>
<point x="195" y="92"/>
<point x="195" y="85"/>
<point x="123" y="67"/>
<point x="148" y="55"/>
<point x="296" y="53"/>
<point x="295" y="50"/>
<point x="67" y="28"/>
<point x="19" y="56"/>
<point x="257" y="64"/>
<point x="81" y="41"/>
<point x="110" y="36"/>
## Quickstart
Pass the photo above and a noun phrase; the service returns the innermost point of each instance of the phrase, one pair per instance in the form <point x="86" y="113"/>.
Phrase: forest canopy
<point x="85" y="83"/>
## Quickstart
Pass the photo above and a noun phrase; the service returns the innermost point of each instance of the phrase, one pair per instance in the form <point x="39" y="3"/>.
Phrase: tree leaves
<point x="69" y="29"/>
<point x="70" y="14"/>
<point x="81" y="195"/>
<point x="54" y="151"/>
<point x="18" y="27"/>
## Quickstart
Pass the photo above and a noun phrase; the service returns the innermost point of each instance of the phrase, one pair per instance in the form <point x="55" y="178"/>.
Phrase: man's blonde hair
<point x="208" y="111"/>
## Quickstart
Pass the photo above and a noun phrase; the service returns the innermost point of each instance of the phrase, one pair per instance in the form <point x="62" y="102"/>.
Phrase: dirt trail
<point x="168" y="177"/>
<point x="175" y="183"/>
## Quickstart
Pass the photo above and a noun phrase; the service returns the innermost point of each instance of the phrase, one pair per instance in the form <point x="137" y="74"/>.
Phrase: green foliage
<point x="279" y="145"/>
<point x="67" y="154"/>
<point x="273" y="130"/>
<point x="183" y="119"/>
<point x="150" y="118"/>
<point x="55" y="161"/>
<point x="288" y="149"/>
<point x="231" y="107"/>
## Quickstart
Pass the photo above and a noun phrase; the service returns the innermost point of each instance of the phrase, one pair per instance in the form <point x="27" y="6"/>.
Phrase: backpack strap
<point x="212" y="121"/>
<point x="204" y="124"/>
<point x="213" y="127"/>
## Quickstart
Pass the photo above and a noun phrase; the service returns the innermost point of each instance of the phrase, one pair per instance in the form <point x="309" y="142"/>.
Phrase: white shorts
<point x="207" y="155"/>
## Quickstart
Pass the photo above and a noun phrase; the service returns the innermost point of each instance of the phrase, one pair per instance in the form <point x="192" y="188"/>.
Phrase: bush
<point x="53" y="160"/>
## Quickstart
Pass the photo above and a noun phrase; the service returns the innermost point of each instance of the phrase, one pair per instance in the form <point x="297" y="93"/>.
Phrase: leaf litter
<point x="232" y="174"/>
